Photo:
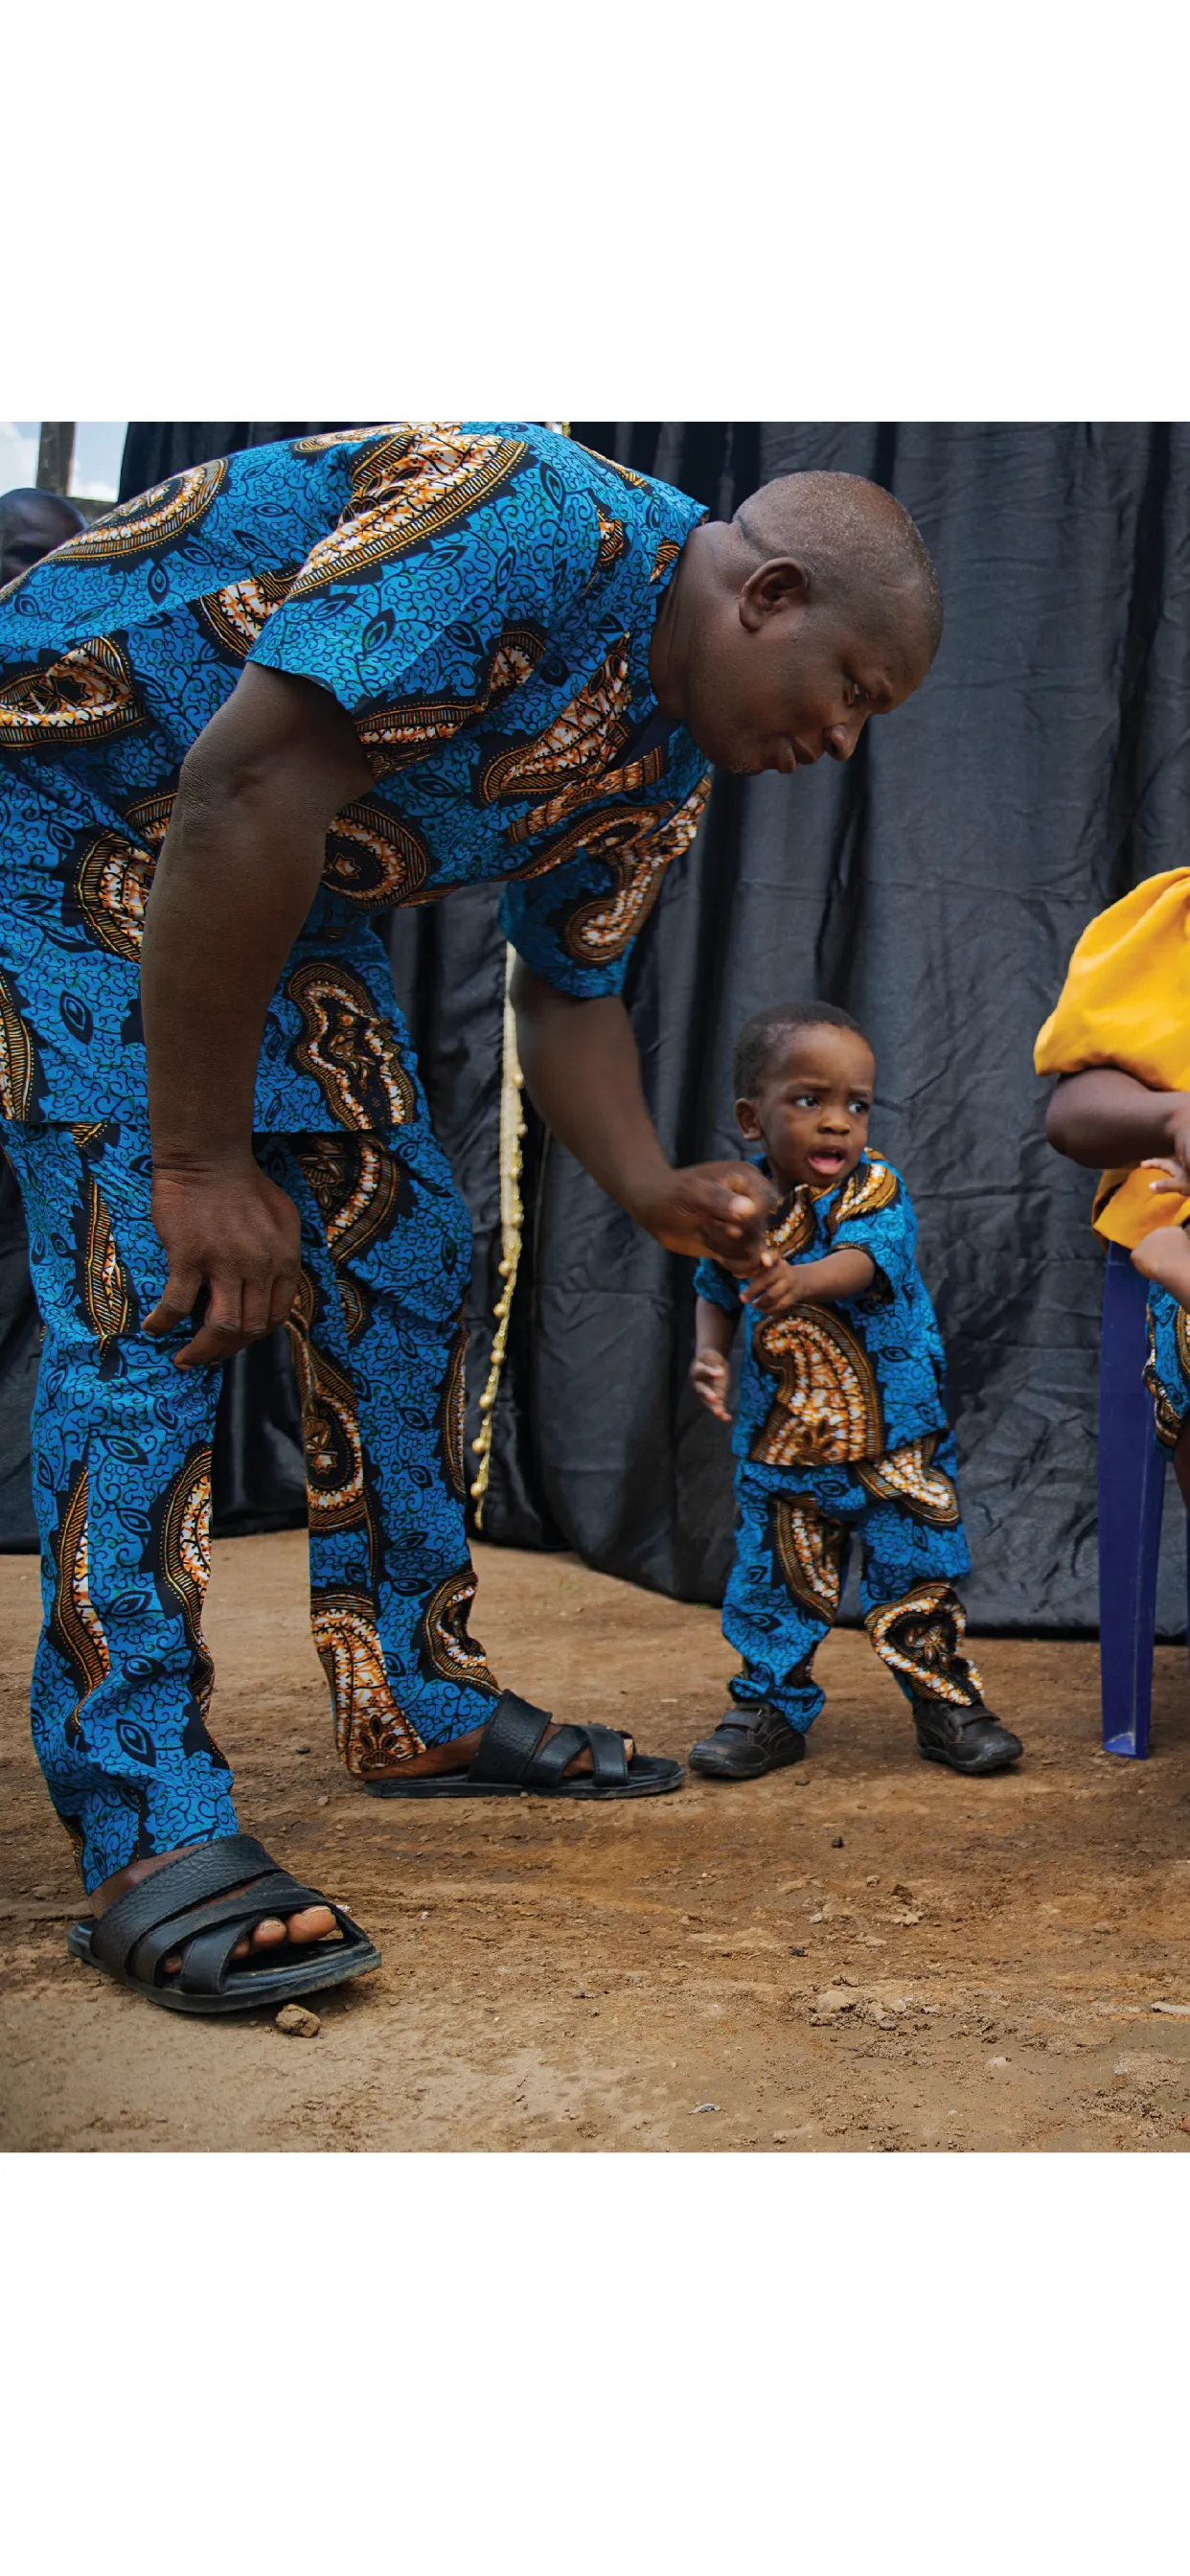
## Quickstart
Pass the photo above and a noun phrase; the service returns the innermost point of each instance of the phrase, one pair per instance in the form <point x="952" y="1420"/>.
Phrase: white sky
<point x="98" y="447"/>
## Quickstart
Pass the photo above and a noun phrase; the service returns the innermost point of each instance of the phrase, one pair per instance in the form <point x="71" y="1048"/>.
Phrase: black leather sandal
<point x="186" y="1906"/>
<point x="507" y="1760"/>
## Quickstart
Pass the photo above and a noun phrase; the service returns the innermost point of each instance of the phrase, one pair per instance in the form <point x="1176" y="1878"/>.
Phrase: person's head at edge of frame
<point x="32" y="524"/>
<point x="786" y="627"/>
<point x="804" y="1076"/>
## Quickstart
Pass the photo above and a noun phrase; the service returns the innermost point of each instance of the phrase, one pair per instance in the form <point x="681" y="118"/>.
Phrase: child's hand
<point x="1177" y="1176"/>
<point x="775" y="1292"/>
<point x="708" y="1376"/>
<point x="1164" y="1256"/>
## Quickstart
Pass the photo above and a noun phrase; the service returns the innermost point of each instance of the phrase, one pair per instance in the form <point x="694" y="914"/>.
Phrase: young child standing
<point x="841" y="1424"/>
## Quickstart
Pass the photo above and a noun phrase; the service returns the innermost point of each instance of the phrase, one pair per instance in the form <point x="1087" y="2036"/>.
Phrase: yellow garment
<point x="1126" y="1002"/>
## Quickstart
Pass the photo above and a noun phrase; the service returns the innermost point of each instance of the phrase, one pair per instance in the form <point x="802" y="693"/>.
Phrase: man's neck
<point x="668" y="647"/>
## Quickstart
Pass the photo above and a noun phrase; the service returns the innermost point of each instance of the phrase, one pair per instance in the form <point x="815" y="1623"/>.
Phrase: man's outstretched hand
<point x="235" y="1235"/>
<point x="714" y="1208"/>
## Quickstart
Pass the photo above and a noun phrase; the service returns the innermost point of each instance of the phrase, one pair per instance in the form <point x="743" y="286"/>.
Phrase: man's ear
<point x="747" y="1121"/>
<point x="781" y="584"/>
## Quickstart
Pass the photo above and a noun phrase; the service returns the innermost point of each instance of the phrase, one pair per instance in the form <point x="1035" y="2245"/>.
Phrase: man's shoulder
<point x="202" y="530"/>
<point x="638" y="525"/>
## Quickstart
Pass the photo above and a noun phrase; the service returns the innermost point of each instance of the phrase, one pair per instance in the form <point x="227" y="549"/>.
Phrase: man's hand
<point x="235" y="1234"/>
<point x="582" y="1073"/>
<point x="776" y="1291"/>
<point x="715" y="1208"/>
<point x="709" y="1374"/>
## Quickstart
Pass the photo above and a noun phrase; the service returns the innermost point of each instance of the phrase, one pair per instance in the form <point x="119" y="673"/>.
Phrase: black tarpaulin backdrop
<point x="935" y="886"/>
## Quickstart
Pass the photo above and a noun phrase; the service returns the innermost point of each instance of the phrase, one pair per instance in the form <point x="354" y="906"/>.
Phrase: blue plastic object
<point x="1131" y="1497"/>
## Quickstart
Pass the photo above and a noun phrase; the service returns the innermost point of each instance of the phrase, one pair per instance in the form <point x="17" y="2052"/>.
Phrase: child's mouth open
<point x="827" y="1163"/>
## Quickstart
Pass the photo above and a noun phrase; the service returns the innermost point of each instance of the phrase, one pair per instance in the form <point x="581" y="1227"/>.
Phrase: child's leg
<point x="914" y="1553"/>
<point x="784" y="1592"/>
<point x="790" y="1562"/>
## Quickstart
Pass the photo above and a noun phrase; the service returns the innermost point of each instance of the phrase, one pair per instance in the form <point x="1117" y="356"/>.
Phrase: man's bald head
<point x="786" y="628"/>
<point x="31" y="525"/>
<point x="860" y="548"/>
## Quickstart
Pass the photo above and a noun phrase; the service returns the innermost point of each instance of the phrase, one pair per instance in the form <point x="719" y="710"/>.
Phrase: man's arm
<point x="238" y="871"/>
<point x="582" y="1069"/>
<point x="1104" y="1118"/>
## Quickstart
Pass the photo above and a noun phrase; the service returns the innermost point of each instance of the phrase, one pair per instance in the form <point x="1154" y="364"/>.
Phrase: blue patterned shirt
<point x="827" y="1384"/>
<point x="479" y="598"/>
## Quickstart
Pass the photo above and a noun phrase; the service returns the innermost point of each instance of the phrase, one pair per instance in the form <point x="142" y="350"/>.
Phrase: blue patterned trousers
<point x="793" y="1543"/>
<point x="122" y="1454"/>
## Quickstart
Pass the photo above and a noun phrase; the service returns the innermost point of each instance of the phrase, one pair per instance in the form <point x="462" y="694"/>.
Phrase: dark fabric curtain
<point x="935" y="886"/>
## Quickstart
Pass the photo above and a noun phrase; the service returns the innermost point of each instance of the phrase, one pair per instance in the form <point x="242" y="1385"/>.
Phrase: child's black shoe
<point x="967" y="1739"/>
<point x="745" y="1747"/>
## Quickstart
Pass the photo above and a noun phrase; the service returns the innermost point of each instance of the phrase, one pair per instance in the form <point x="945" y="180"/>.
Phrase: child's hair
<point x="757" y="1042"/>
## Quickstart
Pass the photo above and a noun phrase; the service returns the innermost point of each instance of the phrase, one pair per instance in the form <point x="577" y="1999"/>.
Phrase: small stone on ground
<point x="297" y="2022"/>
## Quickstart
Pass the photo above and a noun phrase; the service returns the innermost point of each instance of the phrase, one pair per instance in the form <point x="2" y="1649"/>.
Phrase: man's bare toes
<point x="315" y="1923"/>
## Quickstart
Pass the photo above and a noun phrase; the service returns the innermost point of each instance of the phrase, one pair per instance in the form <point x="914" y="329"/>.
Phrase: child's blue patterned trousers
<point x="793" y="1541"/>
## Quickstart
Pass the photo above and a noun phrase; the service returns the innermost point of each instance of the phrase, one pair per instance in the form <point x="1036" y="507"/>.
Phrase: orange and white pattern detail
<point x="910" y="1478"/>
<point x="18" y="1057"/>
<point x="601" y="930"/>
<point x="452" y="1654"/>
<point x="827" y="1407"/>
<point x="414" y="483"/>
<point x="578" y="746"/>
<point x="809" y="1550"/>
<point x="921" y="1637"/>
<point x="87" y="696"/>
<point x="152" y="521"/>
<point x="395" y="737"/>
<point x="372" y="1731"/>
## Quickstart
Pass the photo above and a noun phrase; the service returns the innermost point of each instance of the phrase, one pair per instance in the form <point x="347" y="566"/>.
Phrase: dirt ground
<point x="863" y="1953"/>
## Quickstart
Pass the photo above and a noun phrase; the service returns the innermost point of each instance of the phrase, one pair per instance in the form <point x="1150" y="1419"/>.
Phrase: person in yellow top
<point x="1119" y="1041"/>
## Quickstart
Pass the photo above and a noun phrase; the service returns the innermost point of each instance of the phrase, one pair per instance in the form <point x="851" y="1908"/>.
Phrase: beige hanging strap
<point x="512" y="1212"/>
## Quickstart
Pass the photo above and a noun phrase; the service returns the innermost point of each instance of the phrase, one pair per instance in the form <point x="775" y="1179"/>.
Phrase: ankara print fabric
<point x="834" y="1383"/>
<point x="480" y="598"/>
<point x="122" y="1451"/>
<point x="791" y="1556"/>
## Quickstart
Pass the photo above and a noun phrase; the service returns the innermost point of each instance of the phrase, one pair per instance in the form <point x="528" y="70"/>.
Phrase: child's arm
<point x="1164" y="1256"/>
<point x="714" y="1333"/>
<point x="838" y="1275"/>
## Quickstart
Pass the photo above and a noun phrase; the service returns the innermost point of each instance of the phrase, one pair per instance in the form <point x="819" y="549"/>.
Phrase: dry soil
<point x="863" y="1953"/>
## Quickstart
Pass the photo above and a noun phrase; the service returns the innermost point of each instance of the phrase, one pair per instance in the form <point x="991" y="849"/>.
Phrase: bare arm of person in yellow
<point x="1101" y="1118"/>
<point x="1105" y="1118"/>
<point x="1119" y="1041"/>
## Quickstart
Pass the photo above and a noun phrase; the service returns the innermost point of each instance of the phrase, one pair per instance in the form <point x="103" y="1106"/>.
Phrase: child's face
<point x="811" y="1107"/>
